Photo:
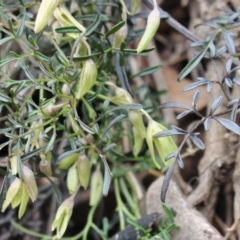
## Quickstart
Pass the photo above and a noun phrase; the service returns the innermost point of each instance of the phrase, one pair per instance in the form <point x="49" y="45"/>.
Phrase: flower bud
<point x="11" y="193"/>
<point x="52" y="109"/>
<point x="14" y="164"/>
<point x="67" y="159"/>
<point x="122" y="97"/>
<point x="30" y="183"/>
<point x="153" y="22"/>
<point x="45" y="167"/>
<point x="45" y="12"/>
<point x="72" y="179"/>
<point x="138" y="142"/>
<point x="134" y="6"/>
<point x="87" y="79"/>
<point x="63" y="216"/>
<point x="74" y="124"/>
<point x="24" y="202"/>
<point x="164" y="145"/>
<point x="96" y="187"/>
<point x="120" y="36"/>
<point x="66" y="89"/>
<point x="65" y="19"/>
<point x="84" y="170"/>
<point x="16" y="195"/>
<point x="135" y="118"/>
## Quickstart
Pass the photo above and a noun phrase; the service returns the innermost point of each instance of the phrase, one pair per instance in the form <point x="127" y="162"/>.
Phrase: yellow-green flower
<point x="65" y="19"/>
<point x="163" y="145"/>
<point x="87" y="79"/>
<point x="17" y="195"/>
<point x="45" y="12"/>
<point x="153" y="22"/>
<point x="63" y="216"/>
<point x="96" y="187"/>
<point x="84" y="170"/>
<point x="122" y="97"/>
<point x="72" y="179"/>
<point x="138" y="141"/>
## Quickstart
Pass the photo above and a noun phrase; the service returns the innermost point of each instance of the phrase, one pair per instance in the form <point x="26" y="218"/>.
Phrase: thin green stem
<point x="119" y="204"/>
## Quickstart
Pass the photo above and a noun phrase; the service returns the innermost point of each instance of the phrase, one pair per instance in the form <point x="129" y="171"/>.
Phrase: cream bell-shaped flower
<point x="87" y="79"/>
<point x="45" y="13"/>
<point x="122" y="97"/>
<point x="164" y="145"/>
<point x="153" y="22"/>
<point x="63" y="216"/>
<point x="65" y="19"/>
<point x="17" y="195"/>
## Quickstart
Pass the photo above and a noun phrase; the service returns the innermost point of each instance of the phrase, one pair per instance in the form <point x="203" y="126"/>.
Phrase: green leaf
<point x="51" y="143"/>
<point x="56" y="190"/>
<point x="92" y="17"/>
<point x="3" y="191"/>
<point x="107" y="177"/>
<point x="6" y="39"/>
<point x="10" y="24"/>
<point x="6" y="61"/>
<point x="115" y="29"/>
<point x="32" y="154"/>
<point x="93" y="26"/>
<point x="115" y="120"/>
<point x="69" y="29"/>
<point x="4" y="98"/>
<point x="32" y="42"/>
<point x="133" y="51"/>
<point x="83" y="58"/>
<point x="147" y="71"/>
<point x="168" y="211"/>
<point x="191" y="65"/>
<point x="21" y="28"/>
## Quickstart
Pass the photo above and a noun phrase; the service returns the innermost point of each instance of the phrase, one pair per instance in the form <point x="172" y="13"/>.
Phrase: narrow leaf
<point x="197" y="141"/>
<point x="173" y="105"/>
<point x="229" y="65"/>
<point x="166" y="182"/>
<point x="169" y="156"/>
<point x="229" y="124"/>
<point x="216" y="104"/>
<point x="115" y="120"/>
<point x="109" y="147"/>
<point x="180" y="161"/>
<point x="207" y="124"/>
<point x="121" y="73"/>
<point x="93" y="26"/>
<point x="147" y="71"/>
<point x="229" y="42"/>
<point x="167" y="133"/>
<point x="6" y="39"/>
<point x="83" y="58"/>
<point x="107" y="177"/>
<point x="195" y="98"/>
<point x="56" y="190"/>
<point x="194" y="85"/>
<point x="191" y="65"/>
<point x="183" y="114"/>
<point x="115" y="28"/>
<point x="209" y="87"/>
<point x="234" y="113"/>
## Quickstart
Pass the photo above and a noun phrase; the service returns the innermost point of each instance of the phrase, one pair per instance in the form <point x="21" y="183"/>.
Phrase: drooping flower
<point x="45" y="12"/>
<point x="163" y="145"/>
<point x="87" y="79"/>
<point x="63" y="216"/>
<point x="17" y="195"/>
<point x="153" y="22"/>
